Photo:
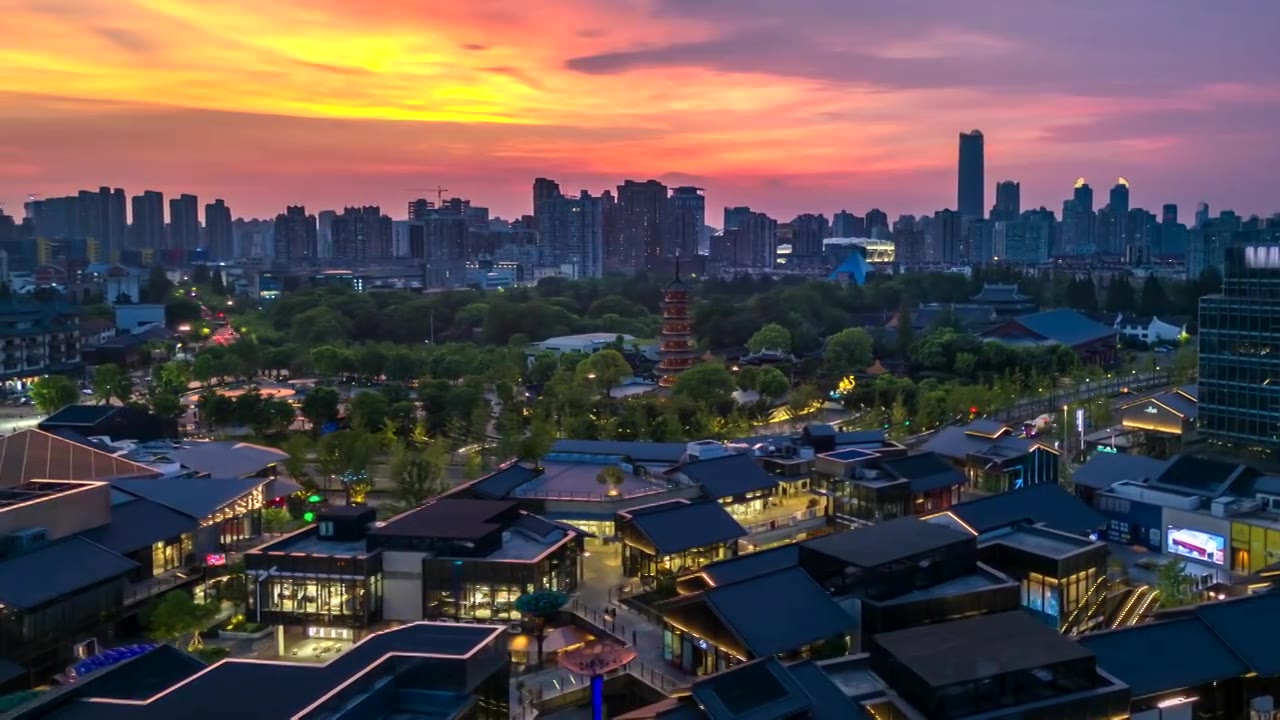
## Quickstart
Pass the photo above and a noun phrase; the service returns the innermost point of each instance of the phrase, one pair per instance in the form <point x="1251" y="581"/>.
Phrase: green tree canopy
<point x="112" y="382"/>
<point x="176" y="615"/>
<point x="772" y="383"/>
<point x="706" y="383"/>
<point x="848" y="351"/>
<point x="321" y="406"/>
<point x="51" y="393"/>
<point x="604" y="370"/>
<point x="770" y="337"/>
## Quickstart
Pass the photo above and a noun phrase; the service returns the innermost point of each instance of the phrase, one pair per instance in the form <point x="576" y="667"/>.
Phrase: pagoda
<point x="676" y="351"/>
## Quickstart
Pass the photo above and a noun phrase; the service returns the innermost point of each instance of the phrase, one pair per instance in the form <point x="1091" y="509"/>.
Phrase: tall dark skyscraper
<point x="544" y="189"/>
<point x="1008" y="201"/>
<point x="877" y="224"/>
<point x="1169" y="214"/>
<point x="362" y="235"/>
<point x="687" y="217"/>
<point x="147" y="229"/>
<point x="184" y="222"/>
<point x="808" y="232"/>
<point x="972" y="186"/>
<point x="571" y="232"/>
<point x="845" y="224"/>
<point x="112" y="221"/>
<point x="948" y="238"/>
<point x="217" y="229"/>
<point x="1083" y="195"/>
<point x="736" y="217"/>
<point x="295" y="236"/>
<point x="1119" y="201"/>
<point x="1202" y="214"/>
<point x="642" y="223"/>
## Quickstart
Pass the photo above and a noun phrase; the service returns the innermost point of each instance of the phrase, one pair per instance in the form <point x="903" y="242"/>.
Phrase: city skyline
<point x="254" y="105"/>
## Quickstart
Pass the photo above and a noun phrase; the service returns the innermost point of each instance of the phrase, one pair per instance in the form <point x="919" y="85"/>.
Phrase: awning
<point x="565" y="637"/>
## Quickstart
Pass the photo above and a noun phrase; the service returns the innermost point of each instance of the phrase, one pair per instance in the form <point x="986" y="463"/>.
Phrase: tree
<point x="1100" y="413"/>
<point x="770" y="337"/>
<point x="368" y="411"/>
<point x="772" y="383"/>
<point x="605" y="370"/>
<point x="541" y="606"/>
<point x="1153" y="300"/>
<point x="329" y="361"/>
<point x="217" y="284"/>
<point x="475" y="466"/>
<point x="173" y="377"/>
<point x="612" y="478"/>
<point x="205" y="368"/>
<point x="320" y="406"/>
<point x="906" y="333"/>
<point x="165" y="404"/>
<point x="215" y="410"/>
<point x="803" y="401"/>
<point x="536" y="443"/>
<point x="175" y="615"/>
<point x="1175" y="586"/>
<point x="748" y="377"/>
<point x="1119" y="295"/>
<point x="276" y="520"/>
<point x="707" y="384"/>
<point x="111" y="381"/>
<point x="159" y="287"/>
<point x="417" y="474"/>
<point x="848" y="351"/>
<point x="899" y="418"/>
<point x="51" y="393"/>
<point x="297" y="464"/>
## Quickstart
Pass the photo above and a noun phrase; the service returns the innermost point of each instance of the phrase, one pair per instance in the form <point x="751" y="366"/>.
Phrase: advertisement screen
<point x="1195" y="545"/>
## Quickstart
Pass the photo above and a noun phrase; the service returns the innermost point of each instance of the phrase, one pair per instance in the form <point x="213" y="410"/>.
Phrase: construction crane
<point x="439" y="191"/>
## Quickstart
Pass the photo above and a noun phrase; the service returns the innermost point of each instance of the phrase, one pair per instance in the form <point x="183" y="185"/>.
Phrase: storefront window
<point x="170" y="555"/>
<point x="315" y="597"/>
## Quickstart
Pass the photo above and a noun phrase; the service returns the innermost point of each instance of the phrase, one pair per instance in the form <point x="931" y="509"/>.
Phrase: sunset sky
<point x="786" y="105"/>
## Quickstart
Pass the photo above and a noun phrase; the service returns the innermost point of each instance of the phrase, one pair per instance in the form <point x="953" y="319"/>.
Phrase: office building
<point x="1008" y="201"/>
<point x="362" y="235"/>
<point x="1239" y="402"/>
<point x="217" y="228"/>
<point x="295" y="235"/>
<point x="147" y="230"/>
<point x="643" y="210"/>
<point x="972" y="183"/>
<point x="184" y="222"/>
<point x="807" y="233"/>
<point x="688" y="221"/>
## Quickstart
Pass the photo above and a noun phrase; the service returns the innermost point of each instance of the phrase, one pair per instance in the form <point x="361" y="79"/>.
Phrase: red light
<point x="221" y="315"/>
<point x="973" y="410"/>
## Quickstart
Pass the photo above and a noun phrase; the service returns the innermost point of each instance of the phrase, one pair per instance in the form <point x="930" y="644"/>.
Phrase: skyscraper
<point x="147" y="230"/>
<point x="544" y="189"/>
<point x="1119" y="203"/>
<point x="877" y="224"/>
<point x="1169" y="213"/>
<point x="1078" y="221"/>
<point x="688" y="219"/>
<point x="295" y="236"/>
<point x="184" y="222"/>
<point x="735" y="217"/>
<point x="845" y="224"/>
<point x="972" y="185"/>
<point x="1202" y="213"/>
<point x="362" y="235"/>
<point x="571" y="232"/>
<point x="642" y="223"/>
<point x="1008" y="201"/>
<point x="808" y="232"/>
<point x="217" y="227"/>
<point x="112" y="224"/>
<point x="948" y="237"/>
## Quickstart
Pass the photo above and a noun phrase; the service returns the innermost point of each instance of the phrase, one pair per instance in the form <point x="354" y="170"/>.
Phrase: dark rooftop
<point x="38" y="455"/>
<point x="925" y="471"/>
<point x="761" y="562"/>
<point x="1066" y="326"/>
<point x="766" y="690"/>
<point x="1248" y="625"/>
<point x="1106" y="469"/>
<point x="1046" y="504"/>
<point x="751" y="610"/>
<point x="448" y="518"/>
<point x="958" y="443"/>
<point x="198" y="497"/>
<point x="886" y="542"/>
<point x="729" y="476"/>
<point x="502" y="483"/>
<point x="638" y="451"/>
<point x="138" y="524"/>
<point x="1174" y="654"/>
<point x="283" y="689"/>
<point x="1206" y="476"/>
<point x="56" y="570"/>
<point x="979" y="648"/>
<point x="677" y="526"/>
<point x="81" y="415"/>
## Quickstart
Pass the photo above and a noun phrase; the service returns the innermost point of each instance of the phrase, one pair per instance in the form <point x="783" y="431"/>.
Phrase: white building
<point x="587" y="343"/>
<point x="1148" y="329"/>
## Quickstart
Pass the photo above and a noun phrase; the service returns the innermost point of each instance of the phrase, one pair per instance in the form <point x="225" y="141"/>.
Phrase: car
<point x="87" y="391"/>
<point x="1164" y="349"/>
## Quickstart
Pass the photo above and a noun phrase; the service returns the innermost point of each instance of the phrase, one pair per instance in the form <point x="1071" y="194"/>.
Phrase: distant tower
<point x="676" y="351"/>
<point x="971" y="189"/>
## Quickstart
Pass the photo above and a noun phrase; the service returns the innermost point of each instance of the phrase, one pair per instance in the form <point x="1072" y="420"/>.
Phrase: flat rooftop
<point x="972" y="582"/>
<point x="38" y="490"/>
<point x="448" y="518"/>
<point x="886" y="542"/>
<point x="979" y="648"/>
<point x="577" y="481"/>
<point x="1043" y="542"/>
<point x="310" y="543"/>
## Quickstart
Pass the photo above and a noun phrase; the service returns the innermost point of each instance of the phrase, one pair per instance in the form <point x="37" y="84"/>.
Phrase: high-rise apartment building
<point x="877" y="224"/>
<point x="642" y="224"/>
<point x="749" y="239"/>
<point x="105" y="219"/>
<point x="845" y="224"/>
<point x="571" y="232"/>
<point x="1239" y="404"/>
<point x="688" y="221"/>
<point x="1169" y="213"/>
<point x="948" y="238"/>
<point x="544" y="189"/>
<point x="184" y="222"/>
<point x="147" y="229"/>
<point x="324" y="233"/>
<point x="362" y="235"/>
<point x="735" y="217"/>
<point x="972" y="183"/>
<point x="295" y="235"/>
<point x="1008" y="201"/>
<point x="1026" y="240"/>
<point x="1078" y="221"/>
<point x="217" y="230"/>
<point x="807" y="234"/>
<point x="1202" y="213"/>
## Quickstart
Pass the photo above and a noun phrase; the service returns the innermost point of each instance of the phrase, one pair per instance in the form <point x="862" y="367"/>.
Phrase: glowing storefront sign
<point x="1151" y="410"/>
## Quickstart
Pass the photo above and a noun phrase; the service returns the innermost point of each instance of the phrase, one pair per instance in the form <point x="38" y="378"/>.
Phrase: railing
<point x="149" y="588"/>
<point x="791" y="520"/>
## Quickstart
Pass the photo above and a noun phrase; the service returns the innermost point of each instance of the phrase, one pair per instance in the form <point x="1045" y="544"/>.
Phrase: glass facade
<point x="693" y="654"/>
<point x="637" y="562"/>
<point x="171" y="554"/>
<point x="481" y="601"/>
<point x="348" y="599"/>
<point x="486" y="590"/>
<point x="1240" y="353"/>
